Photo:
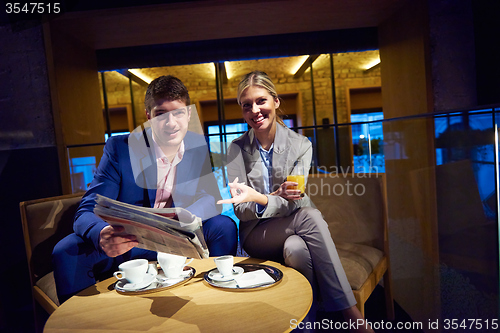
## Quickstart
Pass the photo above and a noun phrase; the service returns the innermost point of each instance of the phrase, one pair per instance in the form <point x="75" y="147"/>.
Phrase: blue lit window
<point x="233" y="131"/>
<point x="367" y="140"/>
<point x="82" y="172"/>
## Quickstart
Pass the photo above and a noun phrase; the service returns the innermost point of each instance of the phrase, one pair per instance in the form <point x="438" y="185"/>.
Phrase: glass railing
<point x="442" y="192"/>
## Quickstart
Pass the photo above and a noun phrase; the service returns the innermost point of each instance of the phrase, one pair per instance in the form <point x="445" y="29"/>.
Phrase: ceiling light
<point x="137" y="72"/>
<point x="300" y="62"/>
<point x="229" y="69"/>
<point x="372" y="64"/>
<point x="305" y="66"/>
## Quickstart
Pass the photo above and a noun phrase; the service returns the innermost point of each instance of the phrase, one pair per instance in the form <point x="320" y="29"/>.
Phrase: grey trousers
<point x="303" y="241"/>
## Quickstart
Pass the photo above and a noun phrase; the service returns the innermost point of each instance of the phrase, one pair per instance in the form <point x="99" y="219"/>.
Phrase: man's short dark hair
<point x="166" y="87"/>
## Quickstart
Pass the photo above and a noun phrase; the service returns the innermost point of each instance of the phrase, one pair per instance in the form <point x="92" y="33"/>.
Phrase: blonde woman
<point x="277" y="223"/>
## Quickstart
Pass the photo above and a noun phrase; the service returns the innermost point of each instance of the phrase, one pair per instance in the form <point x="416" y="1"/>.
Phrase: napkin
<point x="253" y="279"/>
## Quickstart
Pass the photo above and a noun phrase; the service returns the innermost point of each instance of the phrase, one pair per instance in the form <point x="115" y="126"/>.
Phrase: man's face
<point x="169" y="121"/>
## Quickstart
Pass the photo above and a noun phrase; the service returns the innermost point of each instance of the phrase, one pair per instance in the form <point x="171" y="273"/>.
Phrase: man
<point x="163" y="165"/>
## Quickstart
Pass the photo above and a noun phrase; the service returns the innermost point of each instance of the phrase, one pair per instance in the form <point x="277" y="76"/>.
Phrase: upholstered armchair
<point x="45" y="222"/>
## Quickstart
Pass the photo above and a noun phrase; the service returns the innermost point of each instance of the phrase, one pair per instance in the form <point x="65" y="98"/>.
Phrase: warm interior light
<point x="140" y="75"/>
<point x="298" y="64"/>
<point x="372" y="63"/>
<point x="229" y="69"/>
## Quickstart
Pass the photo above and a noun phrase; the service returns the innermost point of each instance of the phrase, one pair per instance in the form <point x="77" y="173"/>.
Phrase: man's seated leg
<point x="221" y="235"/>
<point x="77" y="264"/>
<point x="74" y="260"/>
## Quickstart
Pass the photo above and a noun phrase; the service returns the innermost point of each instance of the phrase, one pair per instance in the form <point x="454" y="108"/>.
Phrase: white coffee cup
<point x="225" y="265"/>
<point x="172" y="265"/>
<point x="134" y="271"/>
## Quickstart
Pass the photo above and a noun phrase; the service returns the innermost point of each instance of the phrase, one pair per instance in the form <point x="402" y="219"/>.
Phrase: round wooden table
<point x="194" y="306"/>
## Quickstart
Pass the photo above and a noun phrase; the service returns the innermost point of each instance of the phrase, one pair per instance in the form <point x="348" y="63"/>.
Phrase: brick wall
<point x="200" y="80"/>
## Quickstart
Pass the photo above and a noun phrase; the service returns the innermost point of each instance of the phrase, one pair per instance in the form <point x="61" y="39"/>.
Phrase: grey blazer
<point x="244" y="161"/>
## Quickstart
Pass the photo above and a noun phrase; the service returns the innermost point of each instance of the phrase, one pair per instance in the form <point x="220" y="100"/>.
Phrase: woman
<point x="277" y="223"/>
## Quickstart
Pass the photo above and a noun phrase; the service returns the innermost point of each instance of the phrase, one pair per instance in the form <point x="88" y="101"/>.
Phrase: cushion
<point x="47" y="223"/>
<point x="358" y="261"/>
<point x="353" y="207"/>
<point x="48" y="285"/>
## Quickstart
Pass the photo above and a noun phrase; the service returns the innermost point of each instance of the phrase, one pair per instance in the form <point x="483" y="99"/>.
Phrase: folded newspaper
<point x="169" y="230"/>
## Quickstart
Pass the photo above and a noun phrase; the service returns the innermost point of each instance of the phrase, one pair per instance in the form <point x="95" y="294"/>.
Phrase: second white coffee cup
<point x="172" y="265"/>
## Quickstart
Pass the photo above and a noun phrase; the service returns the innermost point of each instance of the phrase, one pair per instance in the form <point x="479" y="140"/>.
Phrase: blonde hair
<point x="260" y="79"/>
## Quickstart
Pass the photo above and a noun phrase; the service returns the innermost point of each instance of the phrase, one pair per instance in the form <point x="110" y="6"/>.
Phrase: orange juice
<point x="298" y="179"/>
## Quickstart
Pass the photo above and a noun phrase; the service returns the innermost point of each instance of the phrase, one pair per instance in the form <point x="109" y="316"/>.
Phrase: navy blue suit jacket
<point x="133" y="180"/>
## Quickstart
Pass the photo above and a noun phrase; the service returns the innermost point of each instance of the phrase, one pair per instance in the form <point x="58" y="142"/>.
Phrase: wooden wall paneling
<point x="56" y="112"/>
<point x="75" y="95"/>
<point x="407" y="90"/>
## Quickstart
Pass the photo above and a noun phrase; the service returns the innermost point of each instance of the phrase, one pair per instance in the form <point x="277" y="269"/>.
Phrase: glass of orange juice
<point x="298" y="176"/>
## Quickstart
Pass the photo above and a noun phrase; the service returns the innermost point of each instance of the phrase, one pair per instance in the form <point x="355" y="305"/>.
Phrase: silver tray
<point x="158" y="284"/>
<point x="274" y="272"/>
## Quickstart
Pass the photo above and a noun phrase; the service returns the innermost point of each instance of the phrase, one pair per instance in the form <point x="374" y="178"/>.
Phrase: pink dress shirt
<point x="166" y="175"/>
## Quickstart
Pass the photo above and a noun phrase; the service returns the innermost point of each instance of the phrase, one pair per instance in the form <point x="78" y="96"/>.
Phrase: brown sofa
<point x="355" y="208"/>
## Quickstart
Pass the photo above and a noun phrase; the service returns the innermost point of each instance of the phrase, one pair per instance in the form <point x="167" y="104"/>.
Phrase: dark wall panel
<point x="487" y="37"/>
<point x="232" y="49"/>
<point x="25" y="174"/>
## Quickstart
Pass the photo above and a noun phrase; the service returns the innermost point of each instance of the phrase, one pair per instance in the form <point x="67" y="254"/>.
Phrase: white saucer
<point x="216" y="276"/>
<point x="162" y="277"/>
<point x="127" y="286"/>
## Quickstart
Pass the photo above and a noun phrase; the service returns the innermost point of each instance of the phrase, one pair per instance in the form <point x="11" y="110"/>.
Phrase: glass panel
<point x="468" y="136"/>
<point x="322" y="78"/>
<point x="440" y="216"/>
<point x="83" y="162"/>
<point x="232" y="131"/>
<point x="138" y="93"/>
<point x="358" y="92"/>
<point x="412" y="213"/>
<point x="496" y="198"/>
<point x="117" y="93"/>
<point x="367" y="139"/>
<point x="322" y="109"/>
<point x="482" y="155"/>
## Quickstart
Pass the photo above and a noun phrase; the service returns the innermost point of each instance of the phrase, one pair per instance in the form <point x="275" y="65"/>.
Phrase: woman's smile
<point x="258" y="119"/>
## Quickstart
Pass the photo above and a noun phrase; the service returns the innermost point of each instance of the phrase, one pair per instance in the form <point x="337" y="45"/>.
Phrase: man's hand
<point x="114" y="243"/>
<point x="286" y="193"/>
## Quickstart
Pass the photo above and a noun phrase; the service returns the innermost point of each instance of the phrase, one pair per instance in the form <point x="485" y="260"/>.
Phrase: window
<point x="232" y="130"/>
<point x="367" y="140"/>
<point x="82" y="172"/>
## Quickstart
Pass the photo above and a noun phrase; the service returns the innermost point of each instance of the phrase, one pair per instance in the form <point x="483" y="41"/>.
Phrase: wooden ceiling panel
<point x="218" y="19"/>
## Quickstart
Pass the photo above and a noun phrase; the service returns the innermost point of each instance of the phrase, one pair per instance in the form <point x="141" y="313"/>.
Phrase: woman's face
<point x="259" y="108"/>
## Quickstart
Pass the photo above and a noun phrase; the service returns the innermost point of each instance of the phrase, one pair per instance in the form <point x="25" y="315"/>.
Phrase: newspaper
<point x="169" y="230"/>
